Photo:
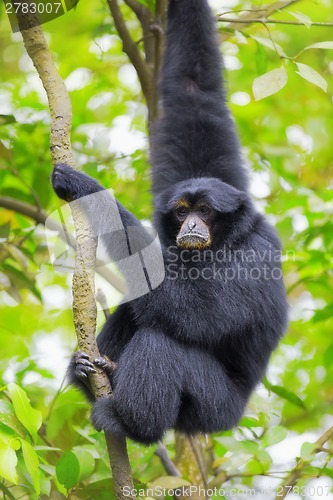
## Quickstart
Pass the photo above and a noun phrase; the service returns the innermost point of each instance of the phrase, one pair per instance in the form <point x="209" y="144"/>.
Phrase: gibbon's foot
<point x="106" y="364"/>
<point x="82" y="365"/>
<point x="105" y="418"/>
<point x="70" y="184"/>
<point x="63" y="181"/>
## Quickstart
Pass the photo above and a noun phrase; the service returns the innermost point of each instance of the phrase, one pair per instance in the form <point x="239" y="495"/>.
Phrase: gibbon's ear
<point x="226" y="199"/>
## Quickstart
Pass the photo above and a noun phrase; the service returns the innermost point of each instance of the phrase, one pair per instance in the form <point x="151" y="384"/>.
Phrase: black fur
<point x="196" y="136"/>
<point x="190" y="352"/>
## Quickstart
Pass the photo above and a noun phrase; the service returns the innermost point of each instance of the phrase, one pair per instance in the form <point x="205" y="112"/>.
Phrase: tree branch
<point x="168" y="465"/>
<point x="158" y="29"/>
<point x="267" y="10"/>
<point x="100" y="297"/>
<point x="131" y="49"/>
<point x="138" y="8"/>
<point x="40" y="216"/>
<point x="296" y="473"/>
<point x="145" y="18"/>
<point x="223" y="19"/>
<point x="190" y="460"/>
<point x="23" y="208"/>
<point x="84" y="304"/>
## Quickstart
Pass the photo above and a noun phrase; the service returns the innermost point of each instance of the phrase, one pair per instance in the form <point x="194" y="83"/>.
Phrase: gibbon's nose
<point x="191" y="224"/>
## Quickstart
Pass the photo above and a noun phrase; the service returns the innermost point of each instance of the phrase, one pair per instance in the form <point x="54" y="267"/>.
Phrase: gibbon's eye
<point x="204" y="210"/>
<point x="181" y="211"/>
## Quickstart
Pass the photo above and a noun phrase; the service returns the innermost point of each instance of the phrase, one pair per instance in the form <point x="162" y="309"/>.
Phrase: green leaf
<point x="68" y="470"/>
<point x="22" y="279"/>
<point x="274" y="435"/>
<point x="45" y="485"/>
<point x="169" y="482"/>
<point x="9" y="437"/>
<point x="269" y="83"/>
<point x="261" y="59"/>
<point x="303" y="18"/>
<point x="320" y="45"/>
<point x="241" y="39"/>
<point x="328" y="356"/>
<point x="264" y="458"/>
<point x="311" y="471"/>
<point x="232" y="444"/>
<point x="249" y="422"/>
<point x="324" y="314"/>
<point x="32" y="464"/>
<point x="8" y="462"/>
<point x="267" y="42"/>
<point x="101" y="490"/>
<point x="260" y="463"/>
<point x="307" y="450"/>
<point x="28" y="416"/>
<point x="86" y="461"/>
<point x="17" y="255"/>
<point x="311" y="75"/>
<point x="6" y="119"/>
<point x="47" y="448"/>
<point x="4" y="282"/>
<point x="4" y="230"/>
<point x="327" y="472"/>
<point x="254" y="467"/>
<point x="285" y="394"/>
<point x="9" y="420"/>
<point x="6" y="433"/>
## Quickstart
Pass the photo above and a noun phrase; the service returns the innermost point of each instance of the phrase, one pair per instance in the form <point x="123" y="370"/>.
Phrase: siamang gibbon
<point x="187" y="354"/>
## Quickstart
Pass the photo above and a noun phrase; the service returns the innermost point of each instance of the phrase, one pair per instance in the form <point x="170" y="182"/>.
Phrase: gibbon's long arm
<point x="196" y="135"/>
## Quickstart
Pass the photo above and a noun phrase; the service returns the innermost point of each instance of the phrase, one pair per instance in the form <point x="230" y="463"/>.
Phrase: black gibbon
<point x="189" y="352"/>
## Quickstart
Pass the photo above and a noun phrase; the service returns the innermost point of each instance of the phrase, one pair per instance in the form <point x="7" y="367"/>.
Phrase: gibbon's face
<point x="194" y="220"/>
<point x="198" y="213"/>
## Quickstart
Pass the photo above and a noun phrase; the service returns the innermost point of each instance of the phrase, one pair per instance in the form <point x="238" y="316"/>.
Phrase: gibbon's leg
<point x="147" y="387"/>
<point x="211" y="400"/>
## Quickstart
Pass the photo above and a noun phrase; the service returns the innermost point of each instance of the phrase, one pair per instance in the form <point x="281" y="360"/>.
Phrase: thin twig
<point x="41" y="217"/>
<point x="297" y="472"/>
<point x="167" y="463"/>
<point x="138" y="8"/>
<point x="131" y="49"/>
<point x="101" y="298"/>
<point x="269" y="10"/>
<point x="264" y="20"/>
<point x="145" y="17"/>
<point x="158" y="31"/>
<point x="21" y="207"/>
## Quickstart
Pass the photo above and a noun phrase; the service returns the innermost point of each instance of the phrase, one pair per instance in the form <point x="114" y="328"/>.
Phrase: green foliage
<point x="269" y="83"/>
<point x="30" y="418"/>
<point x="280" y="92"/>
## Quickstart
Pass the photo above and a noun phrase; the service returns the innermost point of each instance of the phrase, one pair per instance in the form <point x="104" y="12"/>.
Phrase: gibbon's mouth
<point x="193" y="240"/>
